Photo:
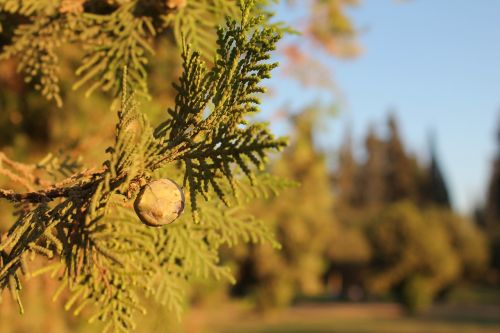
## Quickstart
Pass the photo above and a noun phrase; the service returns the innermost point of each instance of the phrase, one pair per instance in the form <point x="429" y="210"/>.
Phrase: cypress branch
<point x="85" y="220"/>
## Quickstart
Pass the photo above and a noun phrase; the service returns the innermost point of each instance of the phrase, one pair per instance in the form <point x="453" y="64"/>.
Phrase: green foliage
<point x="208" y="144"/>
<point x="36" y="46"/>
<point x="332" y="28"/>
<point x="304" y="224"/>
<point x="387" y="175"/>
<point x="470" y="244"/>
<point x="398" y="171"/>
<point x="419" y="253"/>
<point x="438" y="190"/>
<point x="112" y="35"/>
<point x="417" y="247"/>
<point x="84" y="224"/>
<point x="112" y="42"/>
<point x="490" y="220"/>
<point x="372" y="175"/>
<point x="417" y="294"/>
<point x="195" y="21"/>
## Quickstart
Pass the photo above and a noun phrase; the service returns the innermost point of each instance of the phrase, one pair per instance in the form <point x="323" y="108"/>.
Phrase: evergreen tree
<point x="412" y="255"/>
<point x="492" y="210"/>
<point x="372" y="178"/>
<point x="399" y="171"/>
<point x="346" y="176"/>
<point x="436" y="191"/>
<point x="417" y="246"/>
<point x="419" y="252"/>
<point x="304" y="225"/>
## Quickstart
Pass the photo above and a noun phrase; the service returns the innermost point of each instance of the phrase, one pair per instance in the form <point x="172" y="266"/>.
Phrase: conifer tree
<point x="346" y="177"/>
<point x="354" y="184"/>
<point x="401" y="224"/>
<point x="413" y="255"/>
<point x="304" y="224"/>
<point x="372" y="176"/>
<point x="420" y="252"/>
<point x="86" y="220"/>
<point x="436" y="191"/>
<point x="399" y="176"/>
<point x="493" y="195"/>
<point x="492" y="210"/>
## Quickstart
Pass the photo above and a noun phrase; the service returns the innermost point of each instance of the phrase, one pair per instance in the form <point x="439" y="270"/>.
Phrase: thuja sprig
<point x="85" y="223"/>
<point x="112" y="34"/>
<point x="207" y="129"/>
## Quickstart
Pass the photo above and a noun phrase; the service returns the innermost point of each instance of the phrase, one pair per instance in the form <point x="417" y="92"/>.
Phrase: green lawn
<point x="368" y="318"/>
<point x="370" y="326"/>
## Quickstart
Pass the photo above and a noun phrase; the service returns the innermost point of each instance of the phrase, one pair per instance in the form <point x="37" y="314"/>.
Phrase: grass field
<point x="467" y="311"/>
<point x="367" y="318"/>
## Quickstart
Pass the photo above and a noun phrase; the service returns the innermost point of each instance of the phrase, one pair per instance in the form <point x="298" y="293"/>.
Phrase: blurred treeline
<point x="379" y="225"/>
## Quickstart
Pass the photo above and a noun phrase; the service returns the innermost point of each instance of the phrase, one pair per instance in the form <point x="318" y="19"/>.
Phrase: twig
<point x="47" y="194"/>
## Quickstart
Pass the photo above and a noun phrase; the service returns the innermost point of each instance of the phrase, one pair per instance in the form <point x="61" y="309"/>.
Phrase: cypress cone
<point x="159" y="203"/>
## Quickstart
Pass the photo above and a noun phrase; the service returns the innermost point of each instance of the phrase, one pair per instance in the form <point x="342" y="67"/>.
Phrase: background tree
<point x="436" y="190"/>
<point x="350" y="251"/>
<point x="405" y="206"/>
<point x="304" y="225"/>
<point x="411" y="254"/>
<point x="372" y="186"/>
<point x="346" y="178"/>
<point x="398" y="170"/>
<point x="491" y="215"/>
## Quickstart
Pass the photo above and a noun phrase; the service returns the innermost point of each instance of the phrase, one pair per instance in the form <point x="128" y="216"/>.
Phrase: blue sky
<point x="436" y="63"/>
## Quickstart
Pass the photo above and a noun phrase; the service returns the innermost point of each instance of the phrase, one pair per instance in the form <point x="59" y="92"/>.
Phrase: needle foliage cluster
<point x="112" y="33"/>
<point x="83" y="223"/>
